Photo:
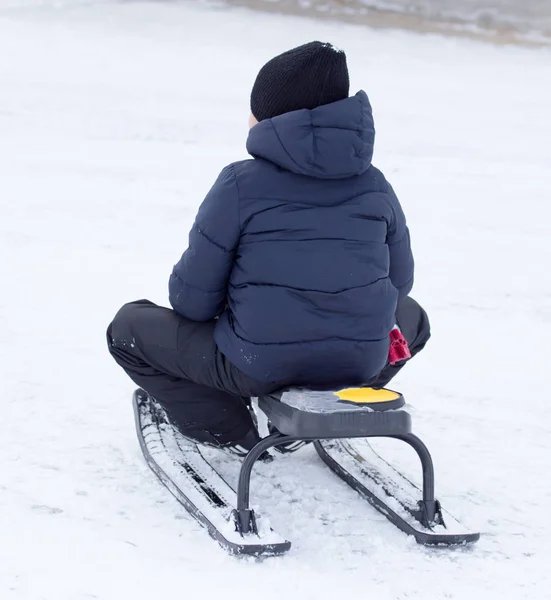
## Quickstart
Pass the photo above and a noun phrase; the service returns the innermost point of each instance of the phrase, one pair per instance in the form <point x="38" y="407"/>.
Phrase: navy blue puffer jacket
<point x="302" y="251"/>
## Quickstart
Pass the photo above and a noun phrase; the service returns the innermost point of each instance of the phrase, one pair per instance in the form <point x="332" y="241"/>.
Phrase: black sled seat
<point x="355" y="412"/>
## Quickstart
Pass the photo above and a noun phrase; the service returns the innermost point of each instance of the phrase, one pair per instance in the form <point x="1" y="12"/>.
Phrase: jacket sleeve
<point x="401" y="257"/>
<point x="199" y="281"/>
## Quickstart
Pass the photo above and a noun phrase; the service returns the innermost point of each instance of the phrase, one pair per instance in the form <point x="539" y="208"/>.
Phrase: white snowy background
<point x="115" y="118"/>
<point x="528" y="19"/>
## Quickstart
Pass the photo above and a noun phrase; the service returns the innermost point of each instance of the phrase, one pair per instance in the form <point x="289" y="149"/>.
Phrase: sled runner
<point x="334" y="421"/>
<point x="180" y="466"/>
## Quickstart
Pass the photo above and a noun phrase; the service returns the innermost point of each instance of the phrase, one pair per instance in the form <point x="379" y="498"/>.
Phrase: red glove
<point x="399" y="349"/>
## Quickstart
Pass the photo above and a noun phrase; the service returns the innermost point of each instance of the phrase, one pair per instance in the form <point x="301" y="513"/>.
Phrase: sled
<point x="334" y="421"/>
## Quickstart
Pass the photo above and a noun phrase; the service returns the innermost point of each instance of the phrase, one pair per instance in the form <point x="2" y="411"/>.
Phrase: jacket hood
<point x="333" y="141"/>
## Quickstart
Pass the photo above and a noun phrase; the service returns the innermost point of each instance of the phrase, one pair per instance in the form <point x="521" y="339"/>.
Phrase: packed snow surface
<point x="115" y="119"/>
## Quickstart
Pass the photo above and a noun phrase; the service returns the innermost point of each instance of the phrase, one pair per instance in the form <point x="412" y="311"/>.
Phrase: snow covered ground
<point x="114" y="121"/>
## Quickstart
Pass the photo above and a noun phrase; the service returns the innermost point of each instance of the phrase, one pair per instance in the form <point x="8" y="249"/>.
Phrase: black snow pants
<point x="178" y="363"/>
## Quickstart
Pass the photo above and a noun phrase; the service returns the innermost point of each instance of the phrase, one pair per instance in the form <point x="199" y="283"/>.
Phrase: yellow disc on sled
<point x="376" y="399"/>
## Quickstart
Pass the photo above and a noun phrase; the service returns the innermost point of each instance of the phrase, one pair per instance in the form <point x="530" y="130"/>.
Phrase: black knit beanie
<point x="305" y="77"/>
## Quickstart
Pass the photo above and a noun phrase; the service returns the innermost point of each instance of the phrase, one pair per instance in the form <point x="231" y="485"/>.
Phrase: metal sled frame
<point x="351" y="424"/>
<point x="428" y="514"/>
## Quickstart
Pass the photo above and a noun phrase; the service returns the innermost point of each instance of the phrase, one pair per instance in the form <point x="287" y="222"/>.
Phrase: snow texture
<point x="115" y="120"/>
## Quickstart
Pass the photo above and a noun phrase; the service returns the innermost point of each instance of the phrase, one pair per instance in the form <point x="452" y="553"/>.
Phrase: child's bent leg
<point x="176" y="361"/>
<point x="414" y="324"/>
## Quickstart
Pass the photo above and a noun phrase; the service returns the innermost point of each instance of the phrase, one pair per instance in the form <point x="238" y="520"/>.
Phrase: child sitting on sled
<point x="298" y="267"/>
